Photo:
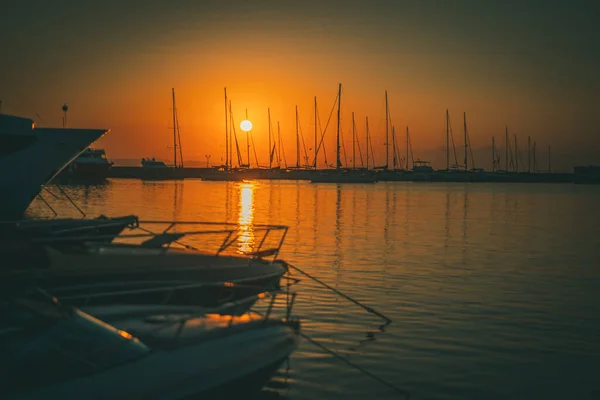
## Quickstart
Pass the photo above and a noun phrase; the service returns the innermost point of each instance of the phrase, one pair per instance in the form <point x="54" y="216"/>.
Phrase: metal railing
<point x="256" y="241"/>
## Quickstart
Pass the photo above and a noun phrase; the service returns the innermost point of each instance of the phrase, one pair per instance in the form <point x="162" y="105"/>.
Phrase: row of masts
<point x="512" y="163"/>
<point x="276" y="145"/>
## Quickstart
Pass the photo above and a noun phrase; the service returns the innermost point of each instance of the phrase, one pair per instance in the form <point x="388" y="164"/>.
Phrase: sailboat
<point x="153" y="169"/>
<point x="340" y="175"/>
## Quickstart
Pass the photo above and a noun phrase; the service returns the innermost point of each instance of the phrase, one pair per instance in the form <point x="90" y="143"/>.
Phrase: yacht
<point x="30" y="157"/>
<point x="90" y="166"/>
<point x="58" y="351"/>
<point x="84" y="270"/>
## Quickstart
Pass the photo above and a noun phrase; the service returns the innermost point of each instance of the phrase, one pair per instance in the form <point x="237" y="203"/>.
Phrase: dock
<point x="215" y="174"/>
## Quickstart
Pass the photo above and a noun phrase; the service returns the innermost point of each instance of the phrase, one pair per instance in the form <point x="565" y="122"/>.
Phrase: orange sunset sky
<point x="527" y="64"/>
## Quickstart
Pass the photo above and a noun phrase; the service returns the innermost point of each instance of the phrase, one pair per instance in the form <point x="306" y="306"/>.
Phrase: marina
<point x="451" y="264"/>
<point x="285" y="200"/>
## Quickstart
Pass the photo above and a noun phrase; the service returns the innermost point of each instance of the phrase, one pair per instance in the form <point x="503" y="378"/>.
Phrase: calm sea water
<point x="494" y="290"/>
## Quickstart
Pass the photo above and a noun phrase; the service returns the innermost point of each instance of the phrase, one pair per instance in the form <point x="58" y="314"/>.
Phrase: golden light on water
<point x="246" y="217"/>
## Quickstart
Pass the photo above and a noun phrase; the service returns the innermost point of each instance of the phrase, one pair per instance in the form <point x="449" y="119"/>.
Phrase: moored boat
<point x="80" y="269"/>
<point x="91" y="166"/>
<point x="57" y="351"/>
<point x="30" y="157"/>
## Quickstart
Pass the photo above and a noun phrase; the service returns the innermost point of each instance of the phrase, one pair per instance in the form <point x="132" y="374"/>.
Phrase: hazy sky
<point x="530" y="64"/>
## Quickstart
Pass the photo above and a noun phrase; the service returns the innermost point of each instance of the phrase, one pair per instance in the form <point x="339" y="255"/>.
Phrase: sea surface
<point x="493" y="289"/>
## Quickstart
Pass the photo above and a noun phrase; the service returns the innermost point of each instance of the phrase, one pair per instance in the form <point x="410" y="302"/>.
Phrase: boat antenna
<point x="65" y="108"/>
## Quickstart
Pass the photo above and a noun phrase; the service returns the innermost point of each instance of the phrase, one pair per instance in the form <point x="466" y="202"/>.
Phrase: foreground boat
<point x="30" y="157"/>
<point x="89" y="272"/>
<point x="57" y="351"/>
<point x="105" y="229"/>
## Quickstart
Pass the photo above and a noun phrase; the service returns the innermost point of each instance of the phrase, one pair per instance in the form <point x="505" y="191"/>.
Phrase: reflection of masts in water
<point x="227" y="201"/>
<point x="315" y="216"/>
<point x="297" y="217"/>
<point x="338" y="230"/>
<point x="447" y="219"/>
<point x="465" y="214"/>
<point x="177" y="200"/>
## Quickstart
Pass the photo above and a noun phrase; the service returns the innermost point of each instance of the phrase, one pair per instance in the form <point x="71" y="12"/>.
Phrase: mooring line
<point x="358" y="303"/>
<point x="402" y="392"/>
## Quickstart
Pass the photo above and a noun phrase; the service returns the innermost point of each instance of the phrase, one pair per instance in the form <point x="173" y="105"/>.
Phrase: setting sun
<point x="246" y="125"/>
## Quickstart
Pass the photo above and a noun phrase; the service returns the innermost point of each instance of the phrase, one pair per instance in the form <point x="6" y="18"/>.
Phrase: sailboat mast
<point x="315" y="133"/>
<point x="447" y="141"/>
<point x="394" y="161"/>
<point x="297" y="142"/>
<point x="535" y="166"/>
<point x="353" y="143"/>
<point x="248" y="142"/>
<point x="226" y="133"/>
<point x="387" y="114"/>
<point x="174" y="130"/>
<point x="529" y="154"/>
<point x="367" y="134"/>
<point x="407" y="148"/>
<point x="338" y="161"/>
<point x="506" y="147"/>
<point x="465" y="139"/>
<point x="270" y="149"/>
<point x="278" y="145"/>
<point x="516" y="155"/>
<point x="549" y="160"/>
<point x="493" y="154"/>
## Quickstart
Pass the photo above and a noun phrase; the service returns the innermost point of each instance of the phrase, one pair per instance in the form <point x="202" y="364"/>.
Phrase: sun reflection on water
<point x="246" y="217"/>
